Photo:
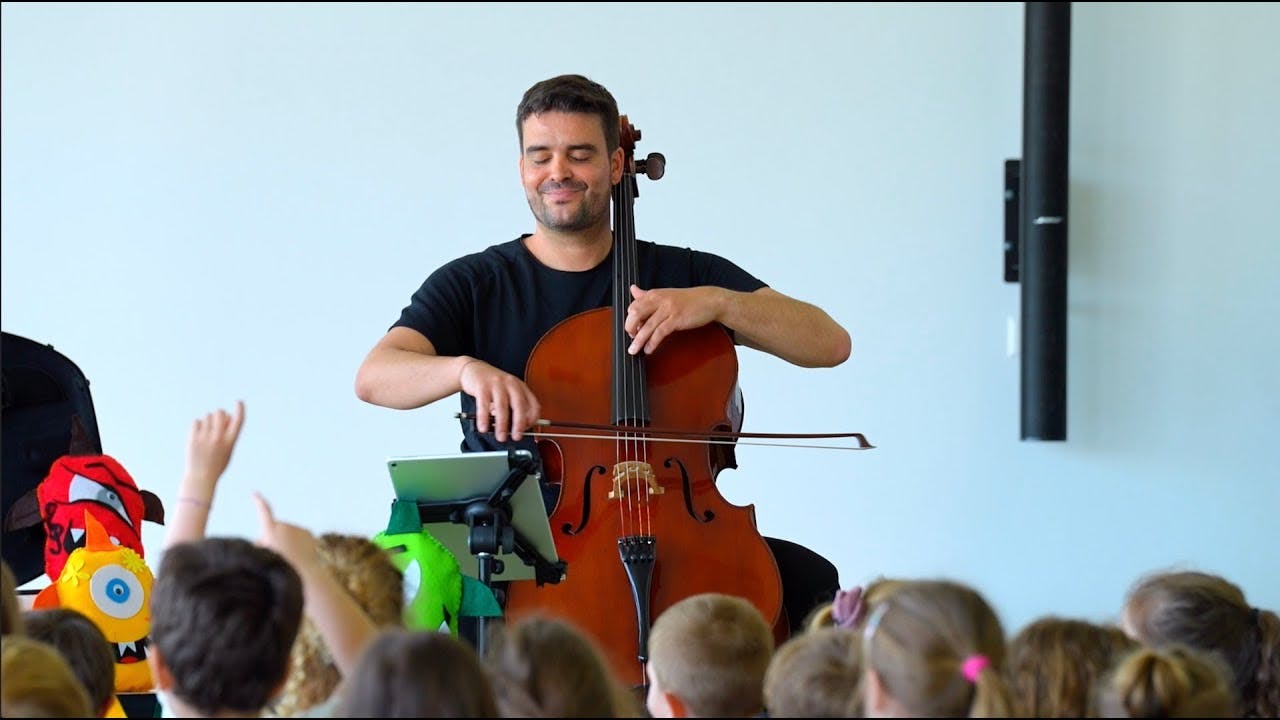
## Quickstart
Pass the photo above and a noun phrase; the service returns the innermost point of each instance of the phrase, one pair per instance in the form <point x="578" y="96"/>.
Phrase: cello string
<point x="636" y="484"/>
<point x="642" y="440"/>
<point x="627" y="406"/>
<point x="619" y="375"/>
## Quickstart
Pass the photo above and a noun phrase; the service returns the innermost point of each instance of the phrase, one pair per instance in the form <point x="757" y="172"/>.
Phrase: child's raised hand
<point x="209" y="447"/>
<point x="295" y="544"/>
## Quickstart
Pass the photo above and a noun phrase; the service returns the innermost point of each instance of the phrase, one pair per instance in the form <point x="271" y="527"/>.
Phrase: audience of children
<point x="298" y="625"/>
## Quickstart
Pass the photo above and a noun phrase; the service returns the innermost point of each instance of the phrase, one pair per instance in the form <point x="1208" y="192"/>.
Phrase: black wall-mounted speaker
<point x="1042" y="226"/>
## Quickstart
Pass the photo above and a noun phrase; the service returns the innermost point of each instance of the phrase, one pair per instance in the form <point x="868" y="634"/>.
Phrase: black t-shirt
<point x="496" y="304"/>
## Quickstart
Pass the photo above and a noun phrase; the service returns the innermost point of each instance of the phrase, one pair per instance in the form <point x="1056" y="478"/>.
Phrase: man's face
<point x="566" y="171"/>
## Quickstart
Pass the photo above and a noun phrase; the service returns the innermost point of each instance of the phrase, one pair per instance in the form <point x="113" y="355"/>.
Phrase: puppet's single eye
<point x="116" y="591"/>
<point x="412" y="581"/>
<point x="82" y="488"/>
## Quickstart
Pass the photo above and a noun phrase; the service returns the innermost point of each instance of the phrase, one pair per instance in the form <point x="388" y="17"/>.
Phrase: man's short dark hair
<point x="224" y="615"/>
<point x="571" y="94"/>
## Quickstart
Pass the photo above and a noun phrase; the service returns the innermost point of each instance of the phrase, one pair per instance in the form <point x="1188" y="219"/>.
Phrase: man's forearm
<point x="404" y="379"/>
<point x="796" y="331"/>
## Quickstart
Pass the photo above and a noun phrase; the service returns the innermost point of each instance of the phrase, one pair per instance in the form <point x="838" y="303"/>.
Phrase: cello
<point x="640" y="522"/>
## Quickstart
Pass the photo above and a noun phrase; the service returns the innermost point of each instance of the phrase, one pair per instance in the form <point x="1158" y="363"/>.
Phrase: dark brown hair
<point x="224" y="615"/>
<point x="571" y="94"/>
<point x="1206" y="612"/>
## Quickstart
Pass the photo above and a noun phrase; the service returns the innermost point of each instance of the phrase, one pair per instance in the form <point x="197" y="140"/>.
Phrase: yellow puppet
<point x="111" y="585"/>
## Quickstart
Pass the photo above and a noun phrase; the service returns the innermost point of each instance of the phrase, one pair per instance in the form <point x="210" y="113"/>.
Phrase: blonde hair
<point x="38" y="682"/>
<point x="367" y="573"/>
<point x="711" y="650"/>
<point x="1172" y="682"/>
<point x="816" y="674"/>
<point x="938" y="648"/>
<point x="1054" y="664"/>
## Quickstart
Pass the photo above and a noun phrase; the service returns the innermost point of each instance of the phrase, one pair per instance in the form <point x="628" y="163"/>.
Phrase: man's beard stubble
<point x="587" y="216"/>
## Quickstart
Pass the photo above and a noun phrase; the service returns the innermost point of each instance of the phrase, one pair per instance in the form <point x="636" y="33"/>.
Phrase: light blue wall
<point x="210" y="202"/>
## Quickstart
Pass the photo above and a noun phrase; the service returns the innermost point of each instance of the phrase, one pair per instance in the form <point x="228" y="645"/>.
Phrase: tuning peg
<point x="654" y="165"/>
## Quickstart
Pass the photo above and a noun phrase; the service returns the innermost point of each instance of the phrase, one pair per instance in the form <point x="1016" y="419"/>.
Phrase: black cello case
<point x="43" y="391"/>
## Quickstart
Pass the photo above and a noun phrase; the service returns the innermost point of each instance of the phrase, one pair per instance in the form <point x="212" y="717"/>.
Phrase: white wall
<point x="210" y="202"/>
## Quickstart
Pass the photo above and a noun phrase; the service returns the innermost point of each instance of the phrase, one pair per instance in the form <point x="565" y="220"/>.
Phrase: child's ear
<point x="677" y="706"/>
<point x="160" y="674"/>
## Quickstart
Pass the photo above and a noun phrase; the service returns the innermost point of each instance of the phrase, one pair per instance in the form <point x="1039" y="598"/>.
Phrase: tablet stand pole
<point x="490" y="533"/>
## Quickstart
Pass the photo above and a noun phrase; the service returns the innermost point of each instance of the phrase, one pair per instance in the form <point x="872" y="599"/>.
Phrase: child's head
<point x="38" y="682"/>
<point x="370" y="577"/>
<point x="546" y="667"/>
<point x="406" y="673"/>
<point x="1053" y="665"/>
<point x="85" y="648"/>
<point x="708" y="654"/>
<point x="1207" y="613"/>
<point x="1172" y="682"/>
<point x="934" y="649"/>
<point x="224" y="615"/>
<point x="815" y="675"/>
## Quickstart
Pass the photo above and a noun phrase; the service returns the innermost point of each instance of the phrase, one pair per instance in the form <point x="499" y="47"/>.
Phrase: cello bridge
<point x="631" y="471"/>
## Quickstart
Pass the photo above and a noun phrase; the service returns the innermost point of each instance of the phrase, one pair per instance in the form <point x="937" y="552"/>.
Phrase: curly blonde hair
<point x="368" y="574"/>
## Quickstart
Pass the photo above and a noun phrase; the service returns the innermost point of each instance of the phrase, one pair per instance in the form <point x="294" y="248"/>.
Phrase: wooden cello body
<point x="640" y="522"/>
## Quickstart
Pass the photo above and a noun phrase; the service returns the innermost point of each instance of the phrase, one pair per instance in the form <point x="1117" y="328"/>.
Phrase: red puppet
<point x="80" y="483"/>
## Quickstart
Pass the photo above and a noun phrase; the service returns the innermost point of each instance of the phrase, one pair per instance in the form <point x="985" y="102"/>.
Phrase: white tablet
<point x="444" y="485"/>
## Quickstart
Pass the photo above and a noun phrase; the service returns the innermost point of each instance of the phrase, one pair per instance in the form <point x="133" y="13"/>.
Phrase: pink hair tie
<point x="847" y="608"/>
<point x="973" y="667"/>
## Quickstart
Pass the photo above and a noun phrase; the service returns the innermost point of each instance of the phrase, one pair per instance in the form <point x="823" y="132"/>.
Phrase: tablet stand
<point x="492" y="530"/>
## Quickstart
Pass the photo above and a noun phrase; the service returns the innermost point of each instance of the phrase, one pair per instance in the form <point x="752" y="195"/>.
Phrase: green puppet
<point x="432" y="579"/>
